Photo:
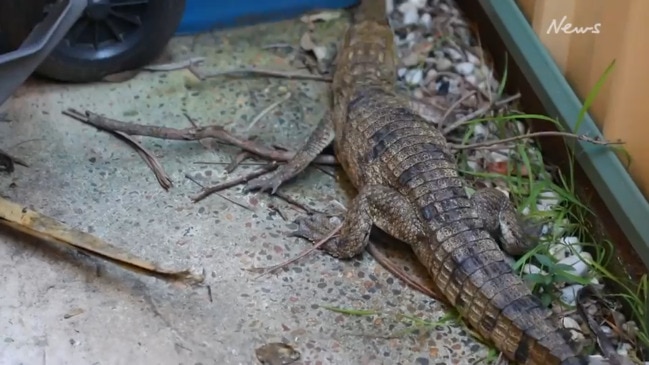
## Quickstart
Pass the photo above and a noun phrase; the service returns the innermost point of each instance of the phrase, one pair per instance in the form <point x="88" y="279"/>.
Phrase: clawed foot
<point x="316" y="227"/>
<point x="269" y="182"/>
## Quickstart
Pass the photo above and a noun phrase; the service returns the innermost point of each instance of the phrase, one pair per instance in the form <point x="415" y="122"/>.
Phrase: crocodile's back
<point x="385" y="143"/>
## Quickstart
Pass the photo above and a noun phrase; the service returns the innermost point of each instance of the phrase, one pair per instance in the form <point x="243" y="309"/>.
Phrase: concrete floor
<point x="64" y="308"/>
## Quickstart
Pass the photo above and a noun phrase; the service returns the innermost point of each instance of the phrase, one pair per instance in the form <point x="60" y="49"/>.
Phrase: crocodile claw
<point x="314" y="227"/>
<point x="264" y="183"/>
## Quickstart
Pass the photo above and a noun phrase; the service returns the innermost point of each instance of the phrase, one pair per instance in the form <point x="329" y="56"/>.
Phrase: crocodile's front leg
<point x="374" y="205"/>
<point x="321" y="137"/>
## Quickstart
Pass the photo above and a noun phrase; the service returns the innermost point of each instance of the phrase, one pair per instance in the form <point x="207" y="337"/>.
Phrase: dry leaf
<point x="276" y="353"/>
<point x="324" y="16"/>
<point x="73" y="312"/>
<point x="48" y="229"/>
<point x="306" y="43"/>
<point x="498" y="167"/>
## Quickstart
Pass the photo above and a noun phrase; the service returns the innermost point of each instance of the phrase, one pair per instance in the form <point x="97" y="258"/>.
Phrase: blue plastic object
<point x="206" y="15"/>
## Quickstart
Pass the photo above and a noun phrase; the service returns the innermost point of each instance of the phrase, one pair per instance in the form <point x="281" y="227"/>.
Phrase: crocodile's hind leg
<point x="321" y="137"/>
<point x="374" y="205"/>
<point x="502" y="220"/>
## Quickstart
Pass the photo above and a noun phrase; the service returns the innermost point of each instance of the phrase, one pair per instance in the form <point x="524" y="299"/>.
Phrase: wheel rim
<point x="107" y="28"/>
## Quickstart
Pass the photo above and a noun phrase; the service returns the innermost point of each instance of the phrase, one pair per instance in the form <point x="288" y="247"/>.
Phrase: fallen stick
<point x="190" y="134"/>
<point x="45" y="228"/>
<point x="149" y="158"/>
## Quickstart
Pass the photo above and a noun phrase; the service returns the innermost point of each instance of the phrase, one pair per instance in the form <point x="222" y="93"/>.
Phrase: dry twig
<point x="265" y="72"/>
<point x="191" y="134"/>
<point x="580" y="137"/>
<point x="228" y="184"/>
<point x="174" y="65"/>
<point x="149" y="158"/>
<point x="270" y="269"/>
<point x="267" y="110"/>
<point x="479" y="112"/>
<point x="455" y="106"/>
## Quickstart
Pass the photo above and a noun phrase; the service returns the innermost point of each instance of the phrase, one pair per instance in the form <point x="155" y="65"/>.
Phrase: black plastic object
<point x="109" y="37"/>
<point x="17" y="65"/>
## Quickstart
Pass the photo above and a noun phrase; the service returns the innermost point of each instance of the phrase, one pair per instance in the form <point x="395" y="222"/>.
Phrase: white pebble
<point x="569" y="323"/>
<point x="471" y="79"/>
<point x="569" y="294"/>
<point x="565" y="247"/>
<point x="520" y="126"/>
<point x="526" y="211"/>
<point x="472" y="165"/>
<point x="579" y="263"/>
<point x="411" y="37"/>
<point x="606" y="330"/>
<point x="454" y="54"/>
<point x="439" y="54"/>
<point x="414" y="77"/>
<point x="480" y="130"/>
<point x="484" y="71"/>
<point x="548" y="200"/>
<point x="430" y="76"/>
<point x="443" y="64"/>
<point x="624" y="348"/>
<point x="572" y="242"/>
<point x="594" y="281"/>
<point x="498" y="156"/>
<point x="389" y="6"/>
<point x="419" y="4"/>
<point x="465" y="68"/>
<point x="402" y="72"/>
<point x="558" y="251"/>
<point x="577" y="336"/>
<point x="410" y="14"/>
<point x="575" y="331"/>
<point x="426" y="20"/>
<point x="405" y="7"/>
<point x="532" y="269"/>
<point x="550" y="196"/>
<point x="472" y="58"/>
<point x="560" y="229"/>
<point x="569" y="240"/>
<point x="597" y="360"/>
<point x="454" y="86"/>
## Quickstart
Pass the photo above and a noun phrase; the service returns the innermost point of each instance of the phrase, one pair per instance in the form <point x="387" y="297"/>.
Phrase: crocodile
<point x="409" y="186"/>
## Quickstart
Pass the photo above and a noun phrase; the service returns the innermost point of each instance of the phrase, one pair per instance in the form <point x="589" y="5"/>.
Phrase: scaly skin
<point x="409" y="187"/>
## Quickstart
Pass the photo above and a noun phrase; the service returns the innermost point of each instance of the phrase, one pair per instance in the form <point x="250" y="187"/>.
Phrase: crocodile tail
<point x="478" y="280"/>
<point x="372" y="11"/>
<point x="500" y="306"/>
<point x="469" y="267"/>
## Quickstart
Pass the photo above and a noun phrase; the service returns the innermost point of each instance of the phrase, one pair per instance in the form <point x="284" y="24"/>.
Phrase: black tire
<point x="83" y="61"/>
